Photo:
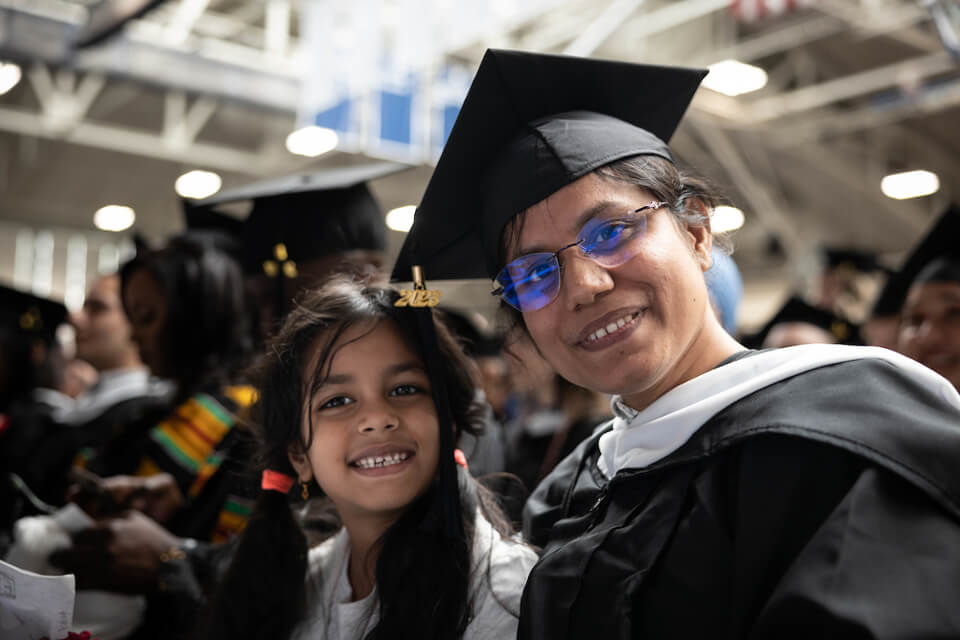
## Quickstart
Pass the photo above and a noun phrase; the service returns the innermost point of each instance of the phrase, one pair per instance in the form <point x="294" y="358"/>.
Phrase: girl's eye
<point x="406" y="390"/>
<point x="333" y="403"/>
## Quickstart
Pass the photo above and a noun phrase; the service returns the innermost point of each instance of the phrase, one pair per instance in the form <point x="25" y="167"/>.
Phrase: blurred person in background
<point x="301" y="229"/>
<point x="929" y="330"/>
<point x="725" y="286"/>
<point x="844" y="282"/>
<point x="31" y="405"/>
<point x="104" y="339"/>
<point x="159" y="488"/>
<point x="798" y="322"/>
<point x="124" y="392"/>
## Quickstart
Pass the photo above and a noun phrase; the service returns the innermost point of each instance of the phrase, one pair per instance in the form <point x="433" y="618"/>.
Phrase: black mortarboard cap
<point x="310" y="215"/>
<point x="29" y="315"/>
<point x="797" y="310"/>
<point x="531" y="124"/>
<point x="860" y="261"/>
<point x="222" y="231"/>
<point x="940" y="244"/>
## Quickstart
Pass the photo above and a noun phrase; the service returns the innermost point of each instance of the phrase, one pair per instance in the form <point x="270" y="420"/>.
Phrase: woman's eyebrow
<point x="582" y="219"/>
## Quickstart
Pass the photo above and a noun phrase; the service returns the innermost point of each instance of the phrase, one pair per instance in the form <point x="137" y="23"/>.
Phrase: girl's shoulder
<point x="501" y="567"/>
<point x="325" y="558"/>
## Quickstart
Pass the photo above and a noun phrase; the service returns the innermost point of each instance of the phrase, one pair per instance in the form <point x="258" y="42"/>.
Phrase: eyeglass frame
<point x="555" y="256"/>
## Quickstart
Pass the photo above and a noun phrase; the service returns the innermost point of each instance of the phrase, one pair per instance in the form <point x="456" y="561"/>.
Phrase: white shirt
<point x="500" y="569"/>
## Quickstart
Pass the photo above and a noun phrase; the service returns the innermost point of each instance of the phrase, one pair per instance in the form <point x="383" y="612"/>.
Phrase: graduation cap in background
<point x="531" y="124"/>
<point x="475" y="340"/>
<point x="935" y="257"/>
<point x="799" y="311"/>
<point x="852" y="259"/>
<point x="224" y="232"/>
<point x="302" y="217"/>
<point x="28" y="315"/>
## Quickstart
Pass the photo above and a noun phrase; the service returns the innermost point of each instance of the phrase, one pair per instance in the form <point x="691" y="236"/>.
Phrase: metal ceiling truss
<point x="192" y="49"/>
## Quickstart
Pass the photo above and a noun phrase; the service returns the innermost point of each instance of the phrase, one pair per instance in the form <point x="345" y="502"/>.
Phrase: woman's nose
<point x="583" y="280"/>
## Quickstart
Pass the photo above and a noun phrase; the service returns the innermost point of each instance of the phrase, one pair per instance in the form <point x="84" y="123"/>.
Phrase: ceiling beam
<point x="850" y="86"/>
<point x="834" y="125"/>
<point x="138" y="142"/>
<point x="595" y="33"/>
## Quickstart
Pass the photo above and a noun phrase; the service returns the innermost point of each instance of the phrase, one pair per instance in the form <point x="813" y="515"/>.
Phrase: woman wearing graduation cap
<point x="807" y="491"/>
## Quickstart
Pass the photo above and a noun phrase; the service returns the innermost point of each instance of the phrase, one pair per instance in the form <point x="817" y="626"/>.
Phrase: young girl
<point x="348" y="404"/>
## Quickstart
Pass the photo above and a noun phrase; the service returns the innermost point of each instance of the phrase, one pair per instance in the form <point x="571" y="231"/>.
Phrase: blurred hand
<point x="123" y="554"/>
<point x="157" y="496"/>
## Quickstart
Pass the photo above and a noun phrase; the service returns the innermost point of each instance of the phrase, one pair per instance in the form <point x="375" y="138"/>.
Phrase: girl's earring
<point x="304" y="490"/>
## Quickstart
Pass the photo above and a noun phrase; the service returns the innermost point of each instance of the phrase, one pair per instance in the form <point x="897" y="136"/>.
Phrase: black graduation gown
<point x="826" y="505"/>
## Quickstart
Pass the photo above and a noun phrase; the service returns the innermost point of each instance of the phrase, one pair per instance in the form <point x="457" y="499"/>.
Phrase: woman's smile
<point x="610" y="329"/>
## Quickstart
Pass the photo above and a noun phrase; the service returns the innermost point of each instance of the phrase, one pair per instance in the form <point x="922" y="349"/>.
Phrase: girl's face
<point x="375" y="430"/>
<point x="930" y="328"/>
<point x="147" y="309"/>
<point x="637" y="329"/>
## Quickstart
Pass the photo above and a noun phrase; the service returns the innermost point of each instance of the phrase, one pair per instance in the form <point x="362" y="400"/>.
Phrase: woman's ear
<point x="701" y="236"/>
<point x="301" y="464"/>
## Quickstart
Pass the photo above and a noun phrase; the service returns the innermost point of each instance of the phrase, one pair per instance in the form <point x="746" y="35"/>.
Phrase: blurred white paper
<point x="34" y="606"/>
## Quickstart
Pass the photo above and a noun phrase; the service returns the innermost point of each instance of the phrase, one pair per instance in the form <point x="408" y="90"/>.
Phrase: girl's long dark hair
<point x="208" y="332"/>
<point x="423" y="571"/>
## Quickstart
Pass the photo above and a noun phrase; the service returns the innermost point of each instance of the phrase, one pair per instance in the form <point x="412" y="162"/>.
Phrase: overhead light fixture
<point x="401" y="218"/>
<point x="734" y="78"/>
<point x="910" y="184"/>
<point x="312" y="141"/>
<point x="114" y="217"/>
<point x="10" y="75"/>
<point x="197" y="184"/>
<point x="725" y="219"/>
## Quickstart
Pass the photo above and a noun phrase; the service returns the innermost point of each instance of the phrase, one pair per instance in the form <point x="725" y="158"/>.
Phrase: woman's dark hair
<point x="423" y="573"/>
<point x="207" y="333"/>
<point x="662" y="178"/>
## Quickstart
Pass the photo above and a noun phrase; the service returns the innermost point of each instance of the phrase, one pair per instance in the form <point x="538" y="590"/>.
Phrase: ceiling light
<point x="910" y="184"/>
<point x="725" y="219"/>
<point x="401" y="218"/>
<point x="114" y="217"/>
<point x="10" y="75"/>
<point x="734" y="78"/>
<point x="312" y="141"/>
<point x="198" y="184"/>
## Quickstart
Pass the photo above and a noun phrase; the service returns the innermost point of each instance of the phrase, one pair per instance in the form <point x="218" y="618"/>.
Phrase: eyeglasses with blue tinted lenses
<point x="532" y="281"/>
